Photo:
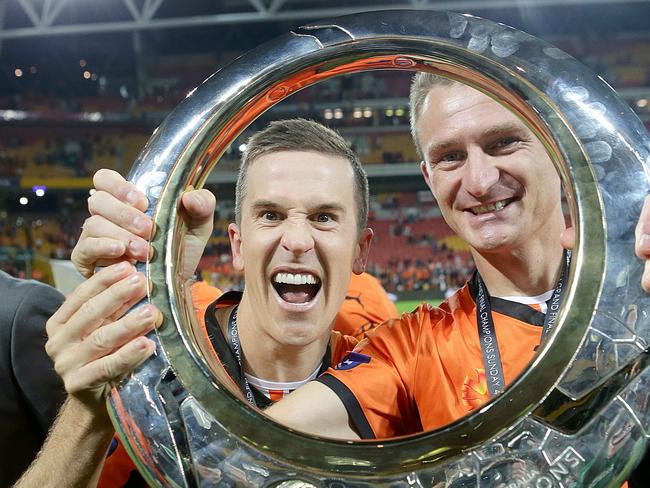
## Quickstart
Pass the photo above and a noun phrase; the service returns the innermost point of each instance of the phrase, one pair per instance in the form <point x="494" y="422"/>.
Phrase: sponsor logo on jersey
<point x="352" y="360"/>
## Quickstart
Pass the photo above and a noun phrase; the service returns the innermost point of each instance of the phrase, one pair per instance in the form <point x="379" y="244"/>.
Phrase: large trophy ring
<point x="578" y="415"/>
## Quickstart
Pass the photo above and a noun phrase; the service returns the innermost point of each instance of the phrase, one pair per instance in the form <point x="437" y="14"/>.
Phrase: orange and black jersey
<point x="366" y="305"/>
<point x="338" y="346"/>
<point x="119" y="470"/>
<point x="426" y="369"/>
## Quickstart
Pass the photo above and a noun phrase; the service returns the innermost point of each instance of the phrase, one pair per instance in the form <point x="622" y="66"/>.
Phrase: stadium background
<point x="84" y="83"/>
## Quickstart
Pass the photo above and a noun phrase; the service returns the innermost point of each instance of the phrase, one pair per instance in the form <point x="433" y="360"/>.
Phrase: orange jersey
<point x="366" y="305"/>
<point x="426" y="369"/>
<point x="118" y="469"/>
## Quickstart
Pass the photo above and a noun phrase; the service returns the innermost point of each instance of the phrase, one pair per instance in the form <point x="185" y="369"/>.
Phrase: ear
<point x="236" y="247"/>
<point x="363" y="246"/>
<point x="424" y="169"/>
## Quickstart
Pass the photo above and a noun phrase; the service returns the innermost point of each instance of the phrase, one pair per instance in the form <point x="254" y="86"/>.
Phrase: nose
<point x="297" y="237"/>
<point x="480" y="173"/>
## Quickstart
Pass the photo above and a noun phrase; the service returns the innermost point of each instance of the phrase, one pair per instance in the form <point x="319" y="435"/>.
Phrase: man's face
<point x="298" y="242"/>
<point x="494" y="182"/>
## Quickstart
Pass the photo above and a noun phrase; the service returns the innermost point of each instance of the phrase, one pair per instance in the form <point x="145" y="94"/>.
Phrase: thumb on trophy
<point x="197" y="210"/>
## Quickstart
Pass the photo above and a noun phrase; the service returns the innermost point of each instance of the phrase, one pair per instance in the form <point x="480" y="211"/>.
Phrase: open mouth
<point x="492" y="207"/>
<point x="296" y="287"/>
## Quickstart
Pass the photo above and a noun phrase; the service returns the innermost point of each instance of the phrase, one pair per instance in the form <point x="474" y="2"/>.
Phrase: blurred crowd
<point x="430" y="260"/>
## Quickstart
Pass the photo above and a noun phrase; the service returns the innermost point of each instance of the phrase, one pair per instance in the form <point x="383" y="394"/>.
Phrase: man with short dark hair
<point x="302" y="204"/>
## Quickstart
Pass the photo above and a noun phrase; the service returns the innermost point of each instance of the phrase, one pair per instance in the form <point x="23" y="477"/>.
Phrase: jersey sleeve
<point x="375" y="381"/>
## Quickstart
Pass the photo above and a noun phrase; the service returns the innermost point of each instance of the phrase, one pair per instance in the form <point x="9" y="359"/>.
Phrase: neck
<point x="266" y="358"/>
<point x="530" y="271"/>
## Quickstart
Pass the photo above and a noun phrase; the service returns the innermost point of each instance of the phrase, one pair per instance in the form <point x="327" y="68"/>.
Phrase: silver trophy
<point x="578" y="416"/>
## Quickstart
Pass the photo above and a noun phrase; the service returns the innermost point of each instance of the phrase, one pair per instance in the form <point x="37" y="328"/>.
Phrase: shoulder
<point x="203" y="294"/>
<point x="425" y="316"/>
<point x="340" y="344"/>
<point x="27" y="297"/>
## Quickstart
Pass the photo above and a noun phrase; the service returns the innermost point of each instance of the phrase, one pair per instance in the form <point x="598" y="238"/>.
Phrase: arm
<point x="118" y="227"/>
<point x="315" y="409"/>
<point x="74" y="452"/>
<point x="92" y="344"/>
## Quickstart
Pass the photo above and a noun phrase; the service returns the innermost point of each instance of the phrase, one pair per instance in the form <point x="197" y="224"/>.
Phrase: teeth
<point x="492" y="207"/>
<point x="296" y="279"/>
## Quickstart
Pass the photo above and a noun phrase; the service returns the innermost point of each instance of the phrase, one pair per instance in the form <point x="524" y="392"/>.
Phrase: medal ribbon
<point x="487" y="335"/>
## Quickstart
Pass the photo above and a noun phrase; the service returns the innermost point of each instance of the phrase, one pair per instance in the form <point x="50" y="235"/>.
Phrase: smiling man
<point x="498" y="189"/>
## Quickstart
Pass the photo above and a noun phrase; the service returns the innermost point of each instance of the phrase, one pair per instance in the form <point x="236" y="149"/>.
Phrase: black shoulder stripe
<point x="519" y="311"/>
<point x="351" y="403"/>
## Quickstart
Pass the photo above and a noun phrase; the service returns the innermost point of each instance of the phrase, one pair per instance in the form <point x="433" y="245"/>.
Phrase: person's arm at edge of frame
<point x="92" y="344"/>
<point x="316" y="409"/>
<point x="74" y="452"/>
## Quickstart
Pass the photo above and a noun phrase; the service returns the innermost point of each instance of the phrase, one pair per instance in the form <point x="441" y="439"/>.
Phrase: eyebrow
<point x="336" y="207"/>
<point x="506" y="128"/>
<point x="497" y="130"/>
<point x="264" y="204"/>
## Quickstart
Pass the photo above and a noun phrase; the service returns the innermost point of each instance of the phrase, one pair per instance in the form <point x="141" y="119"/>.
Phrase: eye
<point x="269" y="215"/>
<point x="448" y="160"/>
<point x="324" y="218"/>
<point x="451" y="157"/>
<point x="505" y="143"/>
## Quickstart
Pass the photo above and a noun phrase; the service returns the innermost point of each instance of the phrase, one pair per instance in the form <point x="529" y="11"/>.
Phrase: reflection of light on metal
<point x="93" y="116"/>
<point x="328" y="114"/>
<point x="18" y="72"/>
<point x="23" y="200"/>
<point x="338" y="113"/>
<point x="642" y="102"/>
<point x="13" y="114"/>
<point x="189" y="93"/>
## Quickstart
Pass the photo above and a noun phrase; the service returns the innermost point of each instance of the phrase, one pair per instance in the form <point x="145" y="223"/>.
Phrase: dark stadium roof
<point x="54" y="35"/>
